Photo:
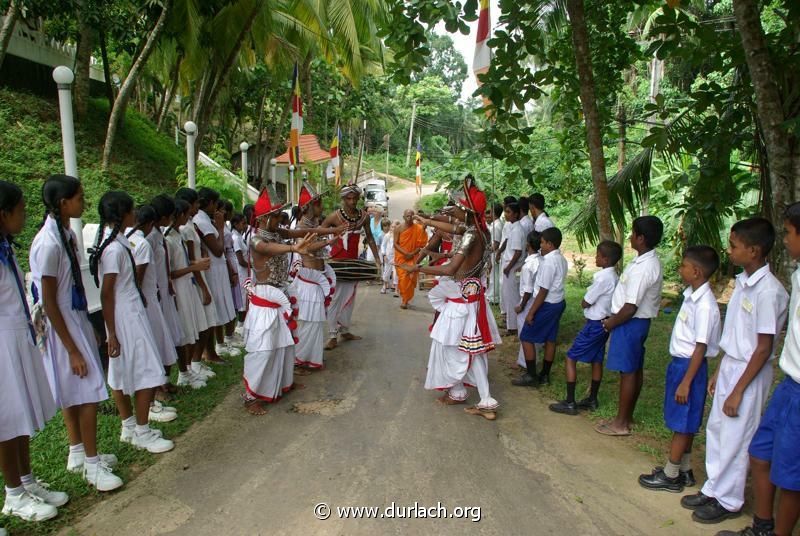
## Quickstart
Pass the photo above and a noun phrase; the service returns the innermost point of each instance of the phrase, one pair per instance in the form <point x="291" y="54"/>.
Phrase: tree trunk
<point x="170" y="95"/>
<point x="777" y="140"/>
<point x="260" y="132"/>
<point x="275" y="139"/>
<point x="106" y="70"/>
<point x="594" y="137"/>
<point x="7" y="30"/>
<point x="121" y="102"/>
<point x="222" y="78"/>
<point x="83" y="60"/>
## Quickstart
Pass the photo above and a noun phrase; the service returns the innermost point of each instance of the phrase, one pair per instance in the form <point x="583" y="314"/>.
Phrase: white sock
<point x="92" y="460"/>
<point x="15" y="492"/>
<point x="142" y="429"/>
<point x="28" y="479"/>
<point x="130" y="422"/>
<point x="196" y="366"/>
<point x="76" y="449"/>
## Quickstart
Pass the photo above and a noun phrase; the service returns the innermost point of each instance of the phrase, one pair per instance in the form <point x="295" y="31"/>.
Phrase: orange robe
<point x="412" y="238"/>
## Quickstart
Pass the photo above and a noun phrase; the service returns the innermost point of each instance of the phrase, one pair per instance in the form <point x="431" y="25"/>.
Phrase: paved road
<point x="364" y="432"/>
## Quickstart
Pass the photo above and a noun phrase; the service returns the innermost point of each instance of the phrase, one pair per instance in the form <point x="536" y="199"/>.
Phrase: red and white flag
<point x="483" y="54"/>
<point x="297" y="120"/>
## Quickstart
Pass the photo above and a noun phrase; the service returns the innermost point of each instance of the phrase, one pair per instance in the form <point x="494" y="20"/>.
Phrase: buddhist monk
<point x="409" y="239"/>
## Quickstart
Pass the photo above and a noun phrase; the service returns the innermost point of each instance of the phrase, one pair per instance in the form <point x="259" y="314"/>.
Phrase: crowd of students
<point x="618" y="313"/>
<point x="170" y="275"/>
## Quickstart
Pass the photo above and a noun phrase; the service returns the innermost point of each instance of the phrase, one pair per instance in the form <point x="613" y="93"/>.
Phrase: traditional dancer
<point x="313" y="286"/>
<point x="352" y="220"/>
<point x="465" y="330"/>
<point x="71" y="357"/>
<point x="269" y="343"/>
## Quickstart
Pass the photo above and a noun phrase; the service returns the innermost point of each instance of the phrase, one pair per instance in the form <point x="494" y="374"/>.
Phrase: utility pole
<point x="387" y="153"/>
<point x="411" y="132"/>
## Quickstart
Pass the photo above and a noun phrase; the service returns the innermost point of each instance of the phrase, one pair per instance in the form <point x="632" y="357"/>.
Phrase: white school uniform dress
<point x="542" y="222"/>
<point x="757" y="306"/>
<point x="218" y="281"/>
<point x="168" y="302"/>
<point x="527" y="284"/>
<point x="190" y="307"/>
<point x="233" y="263"/>
<point x="241" y="271"/>
<point x="25" y="396"/>
<point x="48" y="257"/>
<point x="504" y="229"/>
<point x="143" y="255"/>
<point x="510" y="283"/>
<point x="139" y="363"/>
<point x="192" y="240"/>
<point x="493" y="290"/>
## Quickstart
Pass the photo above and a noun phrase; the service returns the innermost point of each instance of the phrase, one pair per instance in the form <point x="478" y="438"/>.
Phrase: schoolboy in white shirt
<point x="590" y="344"/>
<point x="634" y="304"/>
<point x="695" y="337"/>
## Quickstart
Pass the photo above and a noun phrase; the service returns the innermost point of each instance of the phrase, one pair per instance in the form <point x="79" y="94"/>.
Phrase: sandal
<point x="605" y="429"/>
<point x="350" y="337"/>
<point x="447" y="401"/>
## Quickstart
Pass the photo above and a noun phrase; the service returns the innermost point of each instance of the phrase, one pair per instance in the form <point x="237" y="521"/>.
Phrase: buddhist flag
<point x="483" y="54"/>
<point x="335" y="162"/>
<point x="297" y="120"/>
<point x="419" y="163"/>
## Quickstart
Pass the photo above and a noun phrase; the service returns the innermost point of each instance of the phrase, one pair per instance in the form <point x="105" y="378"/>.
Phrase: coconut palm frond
<point x="627" y="191"/>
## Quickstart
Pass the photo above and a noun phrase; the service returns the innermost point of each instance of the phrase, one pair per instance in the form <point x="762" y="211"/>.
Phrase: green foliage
<point x="30" y="151"/>
<point x="432" y="202"/>
<point x="210" y="178"/>
<point x="445" y="62"/>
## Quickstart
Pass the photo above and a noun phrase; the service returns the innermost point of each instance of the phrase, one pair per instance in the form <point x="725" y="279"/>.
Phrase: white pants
<point x="728" y="438"/>
<point x="340" y="312"/>
<point x="510" y="291"/>
<point x="493" y="293"/>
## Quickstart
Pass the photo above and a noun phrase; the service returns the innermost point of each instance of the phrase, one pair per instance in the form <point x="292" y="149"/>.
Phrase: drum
<point x="354" y="270"/>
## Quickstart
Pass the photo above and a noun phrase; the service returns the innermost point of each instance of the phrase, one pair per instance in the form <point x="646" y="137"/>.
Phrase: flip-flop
<point x="605" y="429"/>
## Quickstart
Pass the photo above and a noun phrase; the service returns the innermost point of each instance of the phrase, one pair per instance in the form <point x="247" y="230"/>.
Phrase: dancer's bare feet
<point x="447" y="401"/>
<point x="350" y="337"/>
<point x="255" y="407"/>
<point x="331" y="344"/>
<point x="487" y="414"/>
<point x="301" y="371"/>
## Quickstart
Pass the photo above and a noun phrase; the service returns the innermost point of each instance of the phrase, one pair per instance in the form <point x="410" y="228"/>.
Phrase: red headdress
<point x="267" y="203"/>
<point x="474" y="201"/>
<point x="307" y="195"/>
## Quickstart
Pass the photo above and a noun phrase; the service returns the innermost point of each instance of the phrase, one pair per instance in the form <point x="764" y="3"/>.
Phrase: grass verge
<point x="49" y="449"/>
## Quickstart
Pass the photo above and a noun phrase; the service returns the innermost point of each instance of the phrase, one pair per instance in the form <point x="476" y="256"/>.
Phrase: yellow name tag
<point x="683" y="316"/>
<point x="747" y="305"/>
<point x="797" y="311"/>
<point x="623" y="278"/>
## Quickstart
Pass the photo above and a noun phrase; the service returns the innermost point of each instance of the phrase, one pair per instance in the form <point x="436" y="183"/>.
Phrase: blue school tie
<point x="7" y="258"/>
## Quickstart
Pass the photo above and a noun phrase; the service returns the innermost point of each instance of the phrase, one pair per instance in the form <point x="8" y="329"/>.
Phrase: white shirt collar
<point x="695" y="295"/>
<point x="556" y="252"/>
<point x="644" y="256"/>
<point x="751" y="280"/>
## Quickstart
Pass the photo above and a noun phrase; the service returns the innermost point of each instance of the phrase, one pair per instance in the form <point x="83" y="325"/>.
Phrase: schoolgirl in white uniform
<point x="146" y="269"/>
<point x="193" y="246"/>
<point x="135" y="368"/>
<point x="164" y="207"/>
<point x="71" y="356"/>
<point x="24" y="392"/>
<point x="184" y="276"/>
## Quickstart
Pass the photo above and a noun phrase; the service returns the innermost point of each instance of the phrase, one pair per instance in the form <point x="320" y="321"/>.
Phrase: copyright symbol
<point x="322" y="511"/>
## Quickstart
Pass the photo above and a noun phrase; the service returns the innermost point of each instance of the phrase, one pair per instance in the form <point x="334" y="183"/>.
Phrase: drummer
<point x="340" y="311"/>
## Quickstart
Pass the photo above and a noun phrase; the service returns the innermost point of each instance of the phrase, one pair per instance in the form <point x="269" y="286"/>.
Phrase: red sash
<point x="483" y="314"/>
<point x="349" y="251"/>
<point x="301" y="278"/>
<point x="262" y="302"/>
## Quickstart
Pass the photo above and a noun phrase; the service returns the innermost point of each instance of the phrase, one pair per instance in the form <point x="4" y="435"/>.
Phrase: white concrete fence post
<point x="191" y="130"/>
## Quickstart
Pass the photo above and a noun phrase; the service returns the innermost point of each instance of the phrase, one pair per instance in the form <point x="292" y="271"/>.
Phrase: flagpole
<point x="361" y="151"/>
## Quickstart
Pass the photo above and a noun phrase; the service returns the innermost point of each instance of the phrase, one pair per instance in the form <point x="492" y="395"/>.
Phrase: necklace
<point x="348" y="219"/>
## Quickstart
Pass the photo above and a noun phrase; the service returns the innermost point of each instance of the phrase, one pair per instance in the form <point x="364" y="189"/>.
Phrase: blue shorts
<point x="777" y="439"/>
<point x="685" y="418"/>
<point x="626" y="349"/>
<point x="545" y="324"/>
<point x="589" y="345"/>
